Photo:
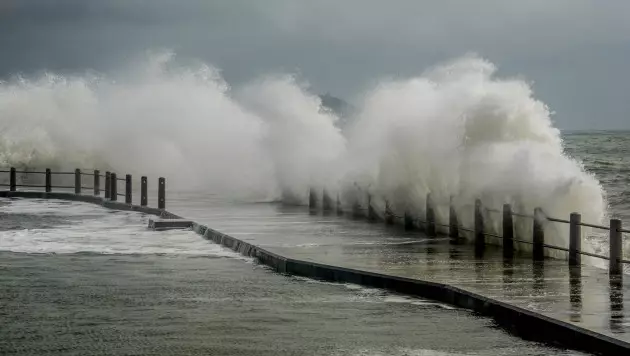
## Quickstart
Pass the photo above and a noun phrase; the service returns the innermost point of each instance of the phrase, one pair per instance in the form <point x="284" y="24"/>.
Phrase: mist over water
<point x="455" y="130"/>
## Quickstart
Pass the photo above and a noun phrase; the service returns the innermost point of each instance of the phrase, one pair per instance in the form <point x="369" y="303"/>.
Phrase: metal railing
<point x="480" y="232"/>
<point x="110" y="187"/>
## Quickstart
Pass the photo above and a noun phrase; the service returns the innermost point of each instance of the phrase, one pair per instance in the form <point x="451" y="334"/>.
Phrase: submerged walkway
<point x="585" y="297"/>
<point x="543" y="301"/>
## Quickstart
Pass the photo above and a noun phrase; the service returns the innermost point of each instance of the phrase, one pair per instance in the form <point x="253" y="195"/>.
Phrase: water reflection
<point x="508" y="273"/>
<point x="538" y="270"/>
<point x="479" y="266"/>
<point x="575" y="293"/>
<point x="616" y="304"/>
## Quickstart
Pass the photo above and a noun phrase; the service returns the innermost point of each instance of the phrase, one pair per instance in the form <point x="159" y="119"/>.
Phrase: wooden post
<point x="389" y="214"/>
<point x="143" y="192"/>
<point x="12" y="180"/>
<point x="430" y="217"/>
<point x="356" y="209"/>
<point x="616" y="247"/>
<point x="538" y="237"/>
<point x="161" y="193"/>
<point x="408" y="221"/>
<point x="326" y="201"/>
<point x="312" y="199"/>
<point x="453" y="222"/>
<point x="339" y="207"/>
<point x="113" y="191"/>
<point x="128" y="197"/>
<point x="48" y="180"/>
<point x="97" y="182"/>
<point x="371" y="213"/>
<point x="575" y="239"/>
<point x="77" y="181"/>
<point x="480" y="238"/>
<point x="508" y="231"/>
<point x="108" y="185"/>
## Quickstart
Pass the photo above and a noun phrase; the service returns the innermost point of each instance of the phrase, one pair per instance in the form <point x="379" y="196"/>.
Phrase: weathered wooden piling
<point x="371" y="215"/>
<point x="128" y="191"/>
<point x="480" y="238"/>
<point x="508" y="231"/>
<point x="389" y="214"/>
<point x="12" y="179"/>
<point x="430" y="217"/>
<point x="48" y="187"/>
<point x="312" y="199"/>
<point x="453" y="222"/>
<point x="538" y="237"/>
<point x="575" y="239"/>
<point x="108" y="185"/>
<point x="143" y="191"/>
<point x="161" y="193"/>
<point x="408" y="221"/>
<point x="113" y="190"/>
<point x="77" y="181"/>
<point x="326" y="201"/>
<point x="339" y="207"/>
<point x="616" y="247"/>
<point x="97" y="182"/>
<point x="356" y="209"/>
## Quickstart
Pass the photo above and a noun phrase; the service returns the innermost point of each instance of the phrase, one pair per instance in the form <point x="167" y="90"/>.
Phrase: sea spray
<point x="456" y="130"/>
<point x="459" y="131"/>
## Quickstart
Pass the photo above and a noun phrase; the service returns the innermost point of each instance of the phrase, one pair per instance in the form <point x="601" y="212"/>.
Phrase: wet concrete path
<point x="586" y="297"/>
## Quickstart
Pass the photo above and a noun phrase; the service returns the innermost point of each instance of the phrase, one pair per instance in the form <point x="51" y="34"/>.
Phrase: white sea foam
<point x="455" y="130"/>
<point x="94" y="229"/>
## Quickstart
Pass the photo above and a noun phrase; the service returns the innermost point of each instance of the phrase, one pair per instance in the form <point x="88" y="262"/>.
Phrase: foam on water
<point x="94" y="229"/>
<point x="375" y="295"/>
<point x="454" y="130"/>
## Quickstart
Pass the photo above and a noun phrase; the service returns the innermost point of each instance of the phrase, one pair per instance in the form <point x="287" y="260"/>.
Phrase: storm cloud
<point x="574" y="52"/>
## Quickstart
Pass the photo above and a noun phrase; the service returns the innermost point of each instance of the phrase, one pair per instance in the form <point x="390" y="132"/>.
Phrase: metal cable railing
<point x="539" y="221"/>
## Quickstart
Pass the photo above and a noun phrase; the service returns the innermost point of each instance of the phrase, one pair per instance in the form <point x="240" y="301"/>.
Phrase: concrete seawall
<point x="525" y="323"/>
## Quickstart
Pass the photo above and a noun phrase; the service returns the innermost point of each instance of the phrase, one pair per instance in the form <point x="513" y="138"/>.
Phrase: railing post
<point x="616" y="247"/>
<point x="371" y="213"/>
<point x="430" y="217"/>
<point x="12" y="180"/>
<point x="326" y="201"/>
<point x="508" y="231"/>
<point x="389" y="214"/>
<point x="108" y="185"/>
<point x="480" y="238"/>
<point x="312" y="199"/>
<point x="143" y="192"/>
<point x="113" y="191"/>
<point x="453" y="224"/>
<point x="161" y="193"/>
<point x="538" y="237"/>
<point x="48" y="180"/>
<point x="77" y="181"/>
<point x="128" y="197"/>
<point x="356" y="209"/>
<point x="339" y="207"/>
<point x="575" y="239"/>
<point x="408" y="221"/>
<point x="97" y="182"/>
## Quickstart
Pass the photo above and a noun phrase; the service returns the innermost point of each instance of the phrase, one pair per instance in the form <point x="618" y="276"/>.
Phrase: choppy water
<point x="607" y="156"/>
<point x="78" y="279"/>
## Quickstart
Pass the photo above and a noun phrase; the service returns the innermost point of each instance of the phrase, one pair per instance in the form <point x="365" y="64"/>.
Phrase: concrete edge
<point x="524" y="323"/>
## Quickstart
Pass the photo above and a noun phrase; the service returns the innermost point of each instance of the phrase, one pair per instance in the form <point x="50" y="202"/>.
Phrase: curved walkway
<point x="521" y="296"/>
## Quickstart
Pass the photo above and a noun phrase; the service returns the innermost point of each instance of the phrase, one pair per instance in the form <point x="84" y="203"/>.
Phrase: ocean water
<point x="606" y="154"/>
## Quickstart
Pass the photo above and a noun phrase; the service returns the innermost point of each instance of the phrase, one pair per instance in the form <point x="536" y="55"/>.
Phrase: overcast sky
<point x="575" y="52"/>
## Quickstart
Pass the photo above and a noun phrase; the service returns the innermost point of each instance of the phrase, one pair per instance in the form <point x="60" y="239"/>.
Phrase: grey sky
<point x="575" y="52"/>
